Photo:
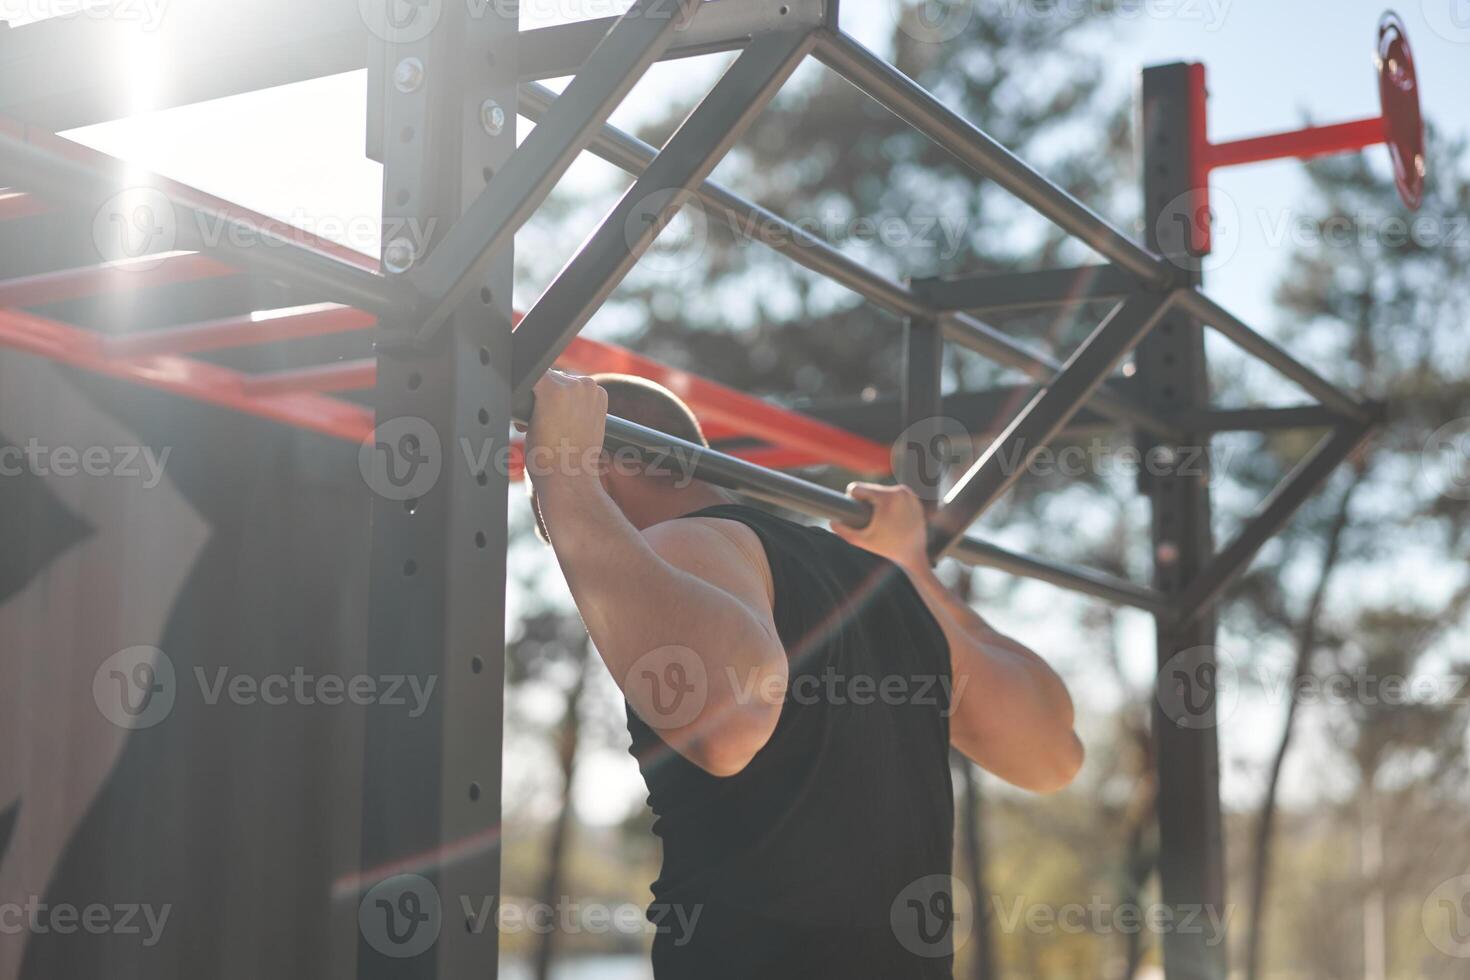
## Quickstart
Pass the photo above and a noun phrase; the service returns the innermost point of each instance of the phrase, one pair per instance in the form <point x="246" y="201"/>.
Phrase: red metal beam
<point x="18" y="204"/>
<point x="796" y="439"/>
<point x="182" y="376"/>
<point x="151" y="357"/>
<point x="1302" y="144"/>
<point x="124" y="276"/>
<point x="242" y="331"/>
<point x="185" y="194"/>
<point x="342" y="376"/>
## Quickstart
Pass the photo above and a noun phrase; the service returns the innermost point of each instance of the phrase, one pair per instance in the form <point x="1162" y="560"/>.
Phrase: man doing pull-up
<point x="793" y="694"/>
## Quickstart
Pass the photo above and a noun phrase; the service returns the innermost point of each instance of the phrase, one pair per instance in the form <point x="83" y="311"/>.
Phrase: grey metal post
<point x="1173" y="382"/>
<point x="431" y="784"/>
<point x="922" y="459"/>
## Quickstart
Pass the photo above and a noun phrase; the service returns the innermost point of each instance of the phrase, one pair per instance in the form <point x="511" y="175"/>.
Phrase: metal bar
<point x="1026" y="290"/>
<point x="973" y="551"/>
<point x="1006" y="460"/>
<point x="108" y="278"/>
<point x="1301" y="144"/>
<point x="1237" y="331"/>
<point x="722" y="410"/>
<point x="241" y="331"/>
<point x="206" y="383"/>
<point x="1261" y="419"/>
<point x="98" y="185"/>
<point x="989" y="342"/>
<point x="560" y="50"/>
<point x="643" y="211"/>
<point x="924" y="453"/>
<point x="1206" y="589"/>
<point x="766" y="227"/>
<point x="720" y="405"/>
<point x="909" y="101"/>
<point x="357" y="375"/>
<point x="431" y="793"/>
<point x="15" y="205"/>
<point x="817" y="501"/>
<point x="514" y="193"/>
<point x="1171" y="371"/>
<point x="71" y="71"/>
<point x="983" y="413"/>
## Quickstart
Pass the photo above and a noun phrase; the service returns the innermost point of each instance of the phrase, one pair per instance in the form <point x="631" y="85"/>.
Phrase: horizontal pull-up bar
<point x="813" y="500"/>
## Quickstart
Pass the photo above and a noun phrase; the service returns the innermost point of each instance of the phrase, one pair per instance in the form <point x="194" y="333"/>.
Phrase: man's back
<point x="829" y="853"/>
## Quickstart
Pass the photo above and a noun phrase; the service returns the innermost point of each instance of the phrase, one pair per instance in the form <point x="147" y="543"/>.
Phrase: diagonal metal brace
<point x="1201" y="595"/>
<point x="469" y="248"/>
<point x="651" y="203"/>
<point x="1044" y="417"/>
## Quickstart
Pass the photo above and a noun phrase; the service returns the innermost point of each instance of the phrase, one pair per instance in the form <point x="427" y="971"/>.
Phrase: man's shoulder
<point x="707" y="544"/>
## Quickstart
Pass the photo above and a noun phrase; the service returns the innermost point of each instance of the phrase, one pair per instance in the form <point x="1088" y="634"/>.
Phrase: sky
<point x="296" y="154"/>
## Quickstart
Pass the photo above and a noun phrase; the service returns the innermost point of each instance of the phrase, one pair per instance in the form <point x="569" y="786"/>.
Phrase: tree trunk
<point x="1375" y="928"/>
<point x="1301" y="670"/>
<point x="561" y="829"/>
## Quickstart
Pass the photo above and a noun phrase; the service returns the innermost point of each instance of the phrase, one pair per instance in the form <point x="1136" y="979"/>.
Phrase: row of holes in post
<point x="410" y="567"/>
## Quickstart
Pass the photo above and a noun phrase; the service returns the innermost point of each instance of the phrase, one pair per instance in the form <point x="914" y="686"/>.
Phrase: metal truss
<point x="447" y="353"/>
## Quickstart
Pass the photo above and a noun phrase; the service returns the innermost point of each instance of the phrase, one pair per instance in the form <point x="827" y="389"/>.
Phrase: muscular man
<point x="792" y="697"/>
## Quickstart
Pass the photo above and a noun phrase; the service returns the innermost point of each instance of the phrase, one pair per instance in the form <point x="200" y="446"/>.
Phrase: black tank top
<point x="822" y="857"/>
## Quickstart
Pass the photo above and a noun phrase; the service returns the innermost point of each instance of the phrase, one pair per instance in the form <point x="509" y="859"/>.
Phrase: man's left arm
<point x="1010" y="711"/>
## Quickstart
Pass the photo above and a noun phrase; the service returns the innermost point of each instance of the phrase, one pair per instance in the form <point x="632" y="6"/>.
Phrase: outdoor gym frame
<point x="443" y="97"/>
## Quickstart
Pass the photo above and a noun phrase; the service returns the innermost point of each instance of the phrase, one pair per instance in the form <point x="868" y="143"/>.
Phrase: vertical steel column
<point x="431" y="783"/>
<point x="1173" y="381"/>
<point x="922" y="456"/>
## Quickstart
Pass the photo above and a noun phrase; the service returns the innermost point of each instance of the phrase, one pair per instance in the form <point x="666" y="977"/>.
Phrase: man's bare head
<point x="651" y="404"/>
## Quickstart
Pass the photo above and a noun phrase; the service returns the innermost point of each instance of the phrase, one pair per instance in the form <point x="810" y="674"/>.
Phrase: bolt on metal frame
<point x="448" y="355"/>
